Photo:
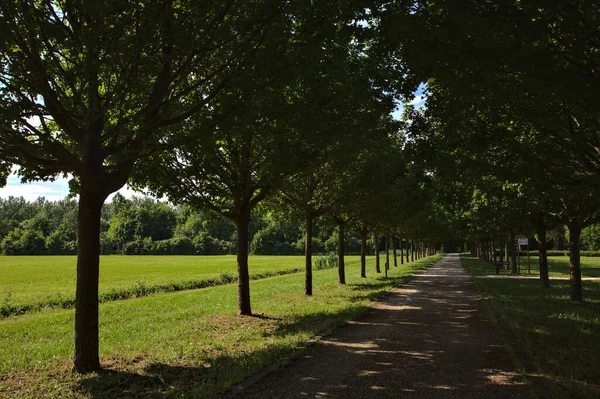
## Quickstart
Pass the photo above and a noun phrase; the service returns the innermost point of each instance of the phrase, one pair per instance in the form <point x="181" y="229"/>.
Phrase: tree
<point x="87" y="88"/>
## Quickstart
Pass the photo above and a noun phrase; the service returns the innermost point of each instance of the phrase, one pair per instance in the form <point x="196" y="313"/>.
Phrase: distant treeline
<point x="145" y="226"/>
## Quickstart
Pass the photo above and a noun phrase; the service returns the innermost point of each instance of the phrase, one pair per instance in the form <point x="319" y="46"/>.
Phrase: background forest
<point x="145" y="226"/>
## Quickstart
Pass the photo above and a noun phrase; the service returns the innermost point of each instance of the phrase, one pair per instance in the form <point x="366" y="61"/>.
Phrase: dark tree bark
<point x="543" y="258"/>
<point x="377" y="262"/>
<point x="495" y="256"/>
<point x="394" y="251"/>
<point x="401" y="253"/>
<point x="387" y="254"/>
<point x="241" y="224"/>
<point x="88" y="271"/>
<point x="575" y="226"/>
<point x="412" y="251"/>
<point x="308" y="257"/>
<point x="407" y="250"/>
<point x="341" y="266"/>
<point x="363" y="253"/>
<point x="513" y="253"/>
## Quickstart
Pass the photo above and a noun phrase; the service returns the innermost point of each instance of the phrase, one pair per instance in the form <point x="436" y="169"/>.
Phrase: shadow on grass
<point x="158" y="380"/>
<point x="553" y="337"/>
<point x="221" y="372"/>
<point x="216" y="374"/>
<point x="211" y="376"/>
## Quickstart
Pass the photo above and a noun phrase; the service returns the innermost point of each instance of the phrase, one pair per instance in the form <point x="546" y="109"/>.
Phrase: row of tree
<point x="220" y="106"/>
<point x="144" y="226"/>
<point x="232" y="106"/>
<point x="513" y="114"/>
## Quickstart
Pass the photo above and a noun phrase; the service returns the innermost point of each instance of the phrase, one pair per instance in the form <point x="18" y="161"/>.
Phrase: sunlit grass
<point x="558" y="266"/>
<point x="184" y="344"/>
<point x="38" y="281"/>
<point x="558" y="338"/>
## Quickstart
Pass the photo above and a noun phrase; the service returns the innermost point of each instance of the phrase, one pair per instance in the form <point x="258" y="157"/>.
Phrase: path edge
<point x="238" y="389"/>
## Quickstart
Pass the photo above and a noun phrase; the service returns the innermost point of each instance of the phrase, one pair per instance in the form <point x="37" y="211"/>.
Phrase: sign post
<point x="524" y="241"/>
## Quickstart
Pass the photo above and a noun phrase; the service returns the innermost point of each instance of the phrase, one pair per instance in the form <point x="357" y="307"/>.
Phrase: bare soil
<point x="427" y="339"/>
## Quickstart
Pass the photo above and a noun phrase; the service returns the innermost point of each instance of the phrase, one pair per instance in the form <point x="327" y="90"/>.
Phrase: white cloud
<point x="52" y="191"/>
<point x="418" y="101"/>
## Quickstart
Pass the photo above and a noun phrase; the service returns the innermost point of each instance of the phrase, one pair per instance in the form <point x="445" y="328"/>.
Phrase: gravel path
<point x="427" y="339"/>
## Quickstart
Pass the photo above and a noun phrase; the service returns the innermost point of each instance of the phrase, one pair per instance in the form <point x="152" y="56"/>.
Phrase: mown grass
<point x="558" y="266"/>
<point x="185" y="344"/>
<point x="33" y="283"/>
<point x="548" y="333"/>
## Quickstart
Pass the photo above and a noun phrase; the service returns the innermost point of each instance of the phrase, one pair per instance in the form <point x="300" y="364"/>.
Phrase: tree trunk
<point x="412" y="251"/>
<point x="341" y="266"/>
<point x="363" y="253"/>
<point x="394" y="251"/>
<point x="377" y="263"/>
<point x="387" y="254"/>
<point x="308" y="256"/>
<point x="88" y="271"/>
<point x="575" y="226"/>
<point x="407" y="249"/>
<point x="513" y="253"/>
<point x="241" y="225"/>
<point x="543" y="257"/>
<point x="401" y="253"/>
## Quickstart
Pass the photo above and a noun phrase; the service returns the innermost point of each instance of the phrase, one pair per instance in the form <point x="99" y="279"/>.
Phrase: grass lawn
<point x="546" y="332"/>
<point x="184" y="344"/>
<point x="558" y="266"/>
<point x="38" y="281"/>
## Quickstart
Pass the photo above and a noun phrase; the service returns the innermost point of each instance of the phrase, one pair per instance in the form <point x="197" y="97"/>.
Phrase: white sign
<point x="523" y="241"/>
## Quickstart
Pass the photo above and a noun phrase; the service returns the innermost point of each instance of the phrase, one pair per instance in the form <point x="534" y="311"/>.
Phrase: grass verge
<point x="551" y="336"/>
<point x="558" y="266"/>
<point x="38" y="283"/>
<point x="187" y="344"/>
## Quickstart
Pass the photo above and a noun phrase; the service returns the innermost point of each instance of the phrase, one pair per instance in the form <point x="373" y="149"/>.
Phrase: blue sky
<point x="53" y="191"/>
<point x="59" y="189"/>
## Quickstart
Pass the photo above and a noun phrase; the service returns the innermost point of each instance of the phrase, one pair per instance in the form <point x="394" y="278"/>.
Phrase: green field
<point x="184" y="344"/>
<point x="35" y="281"/>
<point x="546" y="332"/>
<point x="558" y="266"/>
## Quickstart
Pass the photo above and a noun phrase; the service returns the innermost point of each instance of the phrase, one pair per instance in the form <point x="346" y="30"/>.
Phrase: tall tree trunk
<point x="394" y="251"/>
<point x="575" y="226"/>
<point x="407" y="249"/>
<point x="513" y="253"/>
<point x="401" y="253"/>
<point x="308" y="255"/>
<point x="341" y="266"/>
<point x="363" y="253"/>
<point x="412" y="251"/>
<point x="86" y="357"/>
<point x="241" y="224"/>
<point x="543" y="258"/>
<point x="495" y="256"/>
<point x="377" y="262"/>
<point x="387" y="254"/>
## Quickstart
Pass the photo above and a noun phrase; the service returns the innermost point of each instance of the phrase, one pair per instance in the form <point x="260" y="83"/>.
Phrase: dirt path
<point x="427" y="339"/>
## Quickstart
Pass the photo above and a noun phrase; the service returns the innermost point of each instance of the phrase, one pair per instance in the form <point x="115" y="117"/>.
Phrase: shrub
<point x="326" y="262"/>
<point x="181" y="246"/>
<point x="207" y="245"/>
<point x="139" y="247"/>
<point x="227" y="277"/>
